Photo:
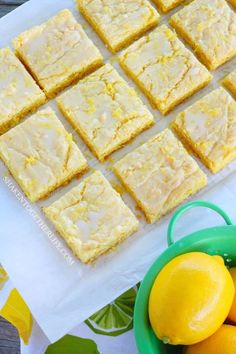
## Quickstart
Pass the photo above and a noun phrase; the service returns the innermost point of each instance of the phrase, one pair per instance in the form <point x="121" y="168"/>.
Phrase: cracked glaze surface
<point x="92" y="217"/>
<point x="18" y="91"/>
<point x="40" y="154"/>
<point x="56" y="50"/>
<point x="209" y="126"/>
<point x="160" y="174"/>
<point x="166" y="70"/>
<point x="106" y="110"/>
<point x="117" y="20"/>
<point x="210" y="27"/>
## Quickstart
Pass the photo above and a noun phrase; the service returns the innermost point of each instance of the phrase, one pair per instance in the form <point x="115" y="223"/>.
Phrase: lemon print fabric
<point x="115" y="318"/>
<point x="191" y="298"/>
<point x="3" y="277"/>
<point x="18" y="314"/>
<point x="73" y="345"/>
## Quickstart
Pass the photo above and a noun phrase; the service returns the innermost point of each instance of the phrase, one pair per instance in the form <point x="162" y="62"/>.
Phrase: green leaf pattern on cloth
<point x="112" y="320"/>
<point x="115" y="318"/>
<point x="73" y="345"/>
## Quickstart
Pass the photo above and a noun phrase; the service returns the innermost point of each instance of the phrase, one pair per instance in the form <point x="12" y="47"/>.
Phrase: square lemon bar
<point x="40" y="154"/>
<point x="167" y="5"/>
<point x="19" y="93"/>
<point x="57" y="52"/>
<point x="119" y="22"/>
<point x="160" y="175"/>
<point x="209" y="128"/>
<point x="92" y="218"/>
<point x="105" y="111"/>
<point x="164" y="68"/>
<point x="230" y="82"/>
<point x="210" y="28"/>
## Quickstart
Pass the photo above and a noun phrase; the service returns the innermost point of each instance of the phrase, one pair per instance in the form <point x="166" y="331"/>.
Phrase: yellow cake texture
<point x="164" y="68"/>
<point x="167" y="5"/>
<point x="230" y="82"/>
<point x="209" y="128"/>
<point x="92" y="218"/>
<point x="160" y="175"/>
<point x="19" y="93"/>
<point x="119" y="22"/>
<point x="57" y="52"/>
<point x="210" y="28"/>
<point x="105" y="111"/>
<point x="40" y="154"/>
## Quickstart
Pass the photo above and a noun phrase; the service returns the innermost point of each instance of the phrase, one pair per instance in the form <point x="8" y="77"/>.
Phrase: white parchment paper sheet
<point x="60" y="295"/>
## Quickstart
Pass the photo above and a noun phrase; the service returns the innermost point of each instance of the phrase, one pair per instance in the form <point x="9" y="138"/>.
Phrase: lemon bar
<point x="160" y="175"/>
<point x="19" y="93"/>
<point x="210" y="28"/>
<point x="230" y="82"/>
<point x="119" y="22"/>
<point x="209" y="128"/>
<point x="40" y="154"/>
<point x="92" y="218"/>
<point x="57" y="52"/>
<point x="164" y="68"/>
<point x="105" y="111"/>
<point x="167" y="5"/>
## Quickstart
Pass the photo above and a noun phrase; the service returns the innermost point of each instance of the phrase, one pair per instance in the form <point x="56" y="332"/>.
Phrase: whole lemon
<point x="190" y="299"/>
<point x="232" y="313"/>
<point x="221" y="342"/>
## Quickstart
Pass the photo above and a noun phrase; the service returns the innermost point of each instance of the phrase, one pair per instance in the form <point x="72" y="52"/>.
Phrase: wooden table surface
<point x="9" y="338"/>
<point x="7" y="6"/>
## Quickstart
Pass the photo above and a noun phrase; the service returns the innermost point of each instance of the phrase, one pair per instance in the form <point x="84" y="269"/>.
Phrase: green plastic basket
<point x="215" y="240"/>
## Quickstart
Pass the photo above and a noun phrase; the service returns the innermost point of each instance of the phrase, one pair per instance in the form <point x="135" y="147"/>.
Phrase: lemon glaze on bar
<point x="57" y="52"/>
<point x="105" y="111"/>
<point x="41" y="154"/>
<point x="19" y="93"/>
<point x="92" y="218"/>
<point x="209" y="128"/>
<point x="210" y="29"/>
<point x="160" y="175"/>
<point x="119" y="22"/>
<point x="164" y="68"/>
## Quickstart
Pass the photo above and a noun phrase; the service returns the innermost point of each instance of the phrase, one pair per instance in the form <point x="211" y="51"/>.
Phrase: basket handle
<point x="184" y="208"/>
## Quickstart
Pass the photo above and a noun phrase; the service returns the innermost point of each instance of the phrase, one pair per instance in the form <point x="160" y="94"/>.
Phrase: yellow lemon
<point x="221" y="342"/>
<point x="232" y="312"/>
<point x="17" y="312"/>
<point x="190" y="299"/>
